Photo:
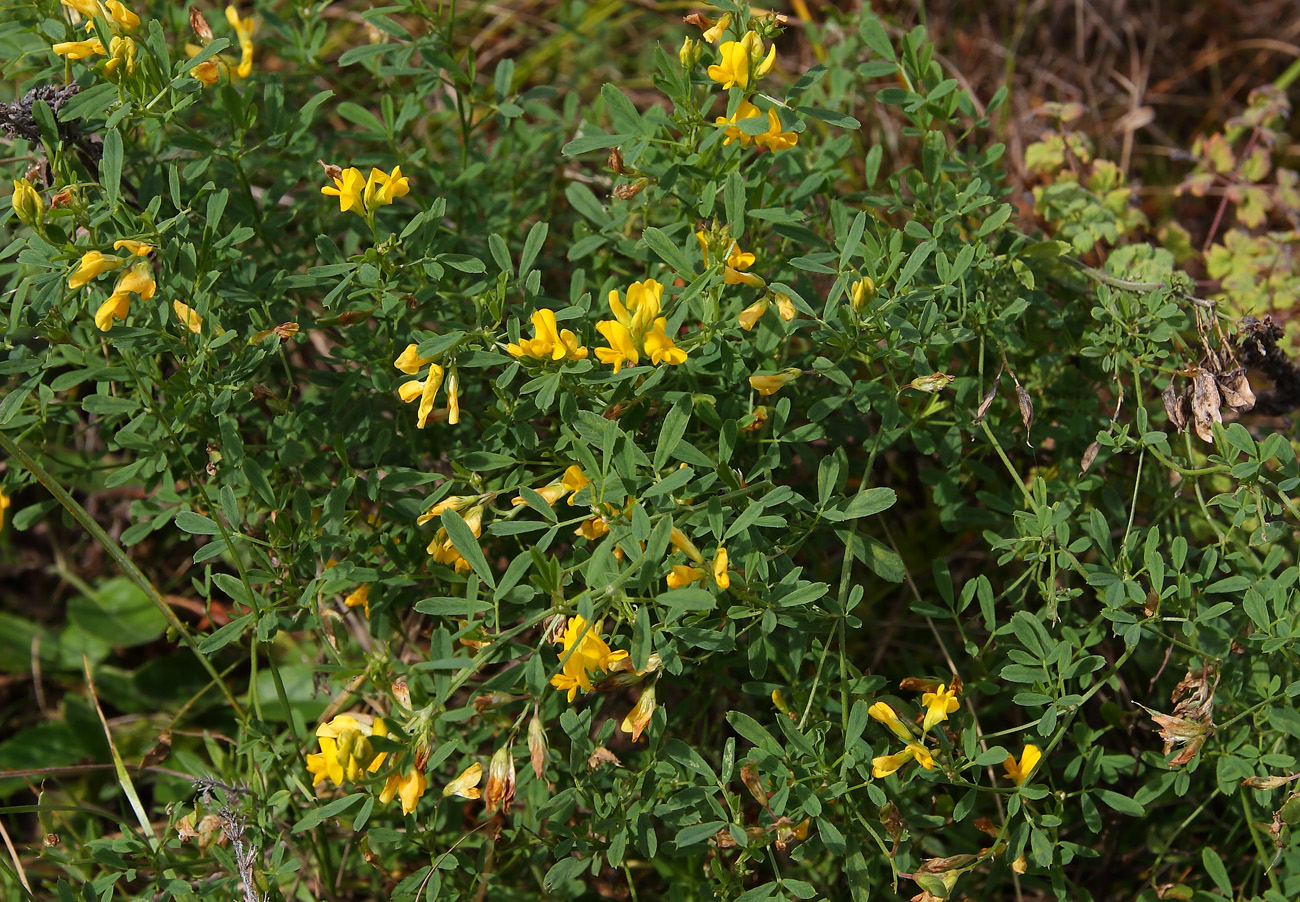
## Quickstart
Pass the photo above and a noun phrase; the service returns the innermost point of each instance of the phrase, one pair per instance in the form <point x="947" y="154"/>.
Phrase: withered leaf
<point x="1089" y="456"/>
<point x="160" y="751"/>
<point x="1205" y="405"/>
<point x="987" y="401"/>
<point x="602" y="756"/>
<point x="1026" y="408"/>
<point x="1236" y="390"/>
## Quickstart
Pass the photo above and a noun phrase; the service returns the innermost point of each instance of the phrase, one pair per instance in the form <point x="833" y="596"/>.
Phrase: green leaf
<point x="1218" y="872"/>
<point x="588" y="143"/>
<point x="734" y="201"/>
<point x="666" y="250"/>
<point x="689" y="836"/>
<point x="863" y="504"/>
<point x="461" y="536"/>
<point x="118" y="613"/>
<point x="672" y="430"/>
<point x="532" y="246"/>
<point x="229" y="633"/>
<point x="1121" y="803"/>
<point x="197" y="524"/>
<point x="110" y="168"/>
<point x="336" y="807"/>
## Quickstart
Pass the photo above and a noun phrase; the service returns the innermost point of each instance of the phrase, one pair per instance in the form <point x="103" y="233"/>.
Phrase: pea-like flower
<point x="938" y="705"/>
<point x="79" y="50"/>
<point x="426" y="390"/>
<point x="621" y="349"/>
<point x="410" y="362"/>
<point x="345" y="750"/>
<point x="466" y="784"/>
<point x="660" y="347"/>
<point x="93" y="264"/>
<point x="549" y="341"/>
<point x="572" y="482"/>
<point x="639" y="717"/>
<point x="27" y="203"/>
<point x="750" y="316"/>
<point x="409" y="787"/>
<point x="136" y="280"/>
<point x="583" y="653"/>
<point x="637" y="327"/>
<point x="742" y="61"/>
<point x="884" y="765"/>
<point x="736" y="262"/>
<point x="364" y="196"/>
<point x="771" y="383"/>
<point x="1018" y="771"/>
<point x="889" y="717"/>
<point x="359" y="597"/>
<point x="244" y="29"/>
<point x="188" y="318"/>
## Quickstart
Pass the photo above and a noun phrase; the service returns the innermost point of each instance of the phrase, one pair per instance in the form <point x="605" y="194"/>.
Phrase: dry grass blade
<point x="123" y="778"/>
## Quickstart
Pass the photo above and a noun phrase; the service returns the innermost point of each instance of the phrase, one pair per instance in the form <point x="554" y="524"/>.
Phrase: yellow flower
<point x="774" y="138"/>
<point x="639" y="717"/>
<point x="5" y="501"/>
<point x="886" y="715"/>
<point x="720" y="575"/>
<point x="410" y="362"/>
<point x="79" y="50"/>
<point x="742" y="61"/>
<point x="621" y="350"/>
<point x="549" y="342"/>
<point x="208" y="72"/>
<point x="583" y="652"/>
<point x="683" y="575"/>
<point x="745" y="110"/>
<point x="863" y="290"/>
<point x="642" y="308"/>
<point x="453" y="397"/>
<point x="592" y="529"/>
<point x="454" y="503"/>
<point x="735" y="264"/>
<point x="1018" y="771"/>
<point x="409" y="787"/>
<point x="136" y="248"/>
<point x="572" y="482"/>
<point x="885" y="765"/>
<point x="125" y="19"/>
<point x="244" y="31"/>
<point x="27" y="203"/>
<point x="685" y="545"/>
<point x="137" y="279"/>
<point x="938" y="705"/>
<point x="382" y="188"/>
<point x="500" y="788"/>
<point x="660" y="348"/>
<point x="121" y="53"/>
<point x="771" y="383"/>
<point x="118" y="306"/>
<point x="718" y="29"/>
<point x="750" y="316"/>
<point x="360" y="597"/>
<point x="426" y="390"/>
<point x="345" y="750"/>
<point x="88" y="8"/>
<point x="785" y="307"/>
<point x="350" y="189"/>
<point x="465" y="785"/>
<point x="189" y="319"/>
<point x="92" y="265"/>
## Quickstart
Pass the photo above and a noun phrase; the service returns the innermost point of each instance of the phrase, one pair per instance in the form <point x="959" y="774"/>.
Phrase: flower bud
<point x="690" y="53"/>
<point x="537" y="745"/>
<point x="28" y="206"/>
<point x="862" y="291"/>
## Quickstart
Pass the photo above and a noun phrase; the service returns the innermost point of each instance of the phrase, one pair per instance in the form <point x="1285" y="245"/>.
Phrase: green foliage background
<point x="1033" y="525"/>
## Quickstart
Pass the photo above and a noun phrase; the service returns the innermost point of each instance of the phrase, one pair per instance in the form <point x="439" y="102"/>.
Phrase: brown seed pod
<point x="1235" y="388"/>
<point x="1205" y="405"/>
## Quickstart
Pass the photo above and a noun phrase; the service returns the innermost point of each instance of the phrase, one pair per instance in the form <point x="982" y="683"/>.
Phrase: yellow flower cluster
<point x="583" y="653"/>
<point x="939" y="699"/>
<point x="426" y="390"/>
<point x="742" y="61"/>
<point x="735" y="262"/>
<point x="347" y="755"/>
<point x="548" y="343"/>
<point x="209" y="71"/>
<point x="364" y="196"/>
<point x="136" y="279"/>
<point x="636" y="327"/>
<point x="774" y="139"/>
<point x="572" y="482"/>
<point x="121" y="21"/>
<point x="684" y="574"/>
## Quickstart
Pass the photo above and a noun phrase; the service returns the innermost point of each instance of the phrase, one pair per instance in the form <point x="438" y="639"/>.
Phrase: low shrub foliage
<point x="457" y="486"/>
